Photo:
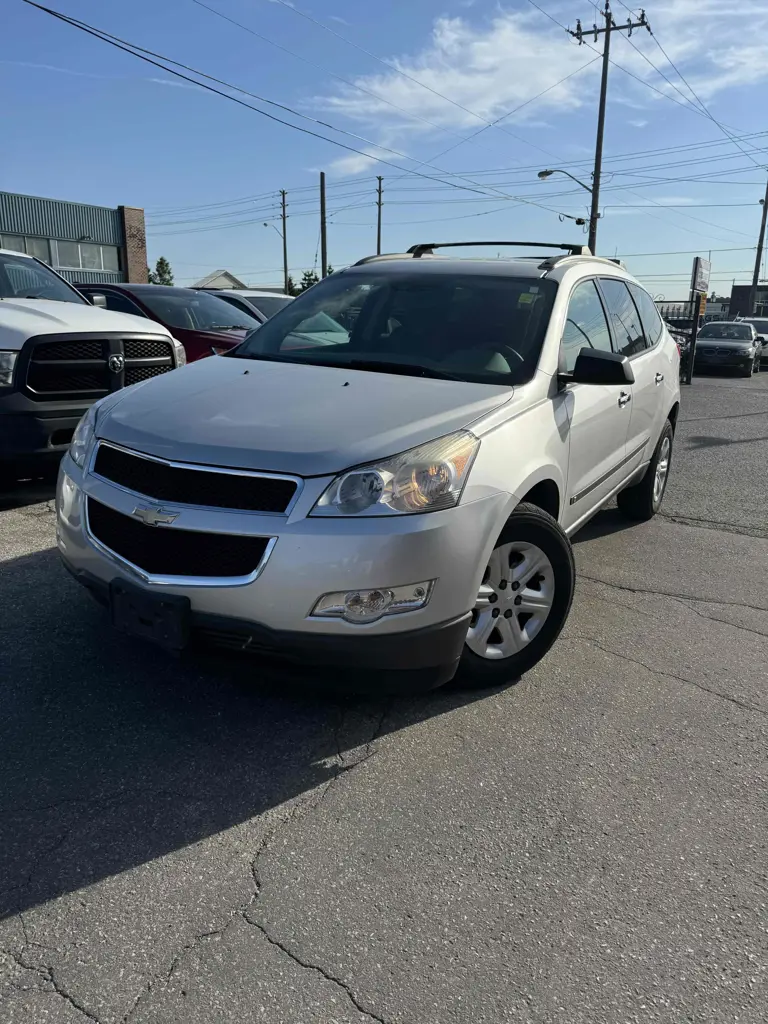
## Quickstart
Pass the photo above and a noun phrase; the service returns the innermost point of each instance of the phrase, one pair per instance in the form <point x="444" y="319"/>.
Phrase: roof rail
<point x="381" y="256"/>
<point x="427" y="248"/>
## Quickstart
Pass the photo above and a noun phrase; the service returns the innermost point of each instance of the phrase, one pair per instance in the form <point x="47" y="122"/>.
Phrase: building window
<point x="38" y="247"/>
<point x="87" y="256"/>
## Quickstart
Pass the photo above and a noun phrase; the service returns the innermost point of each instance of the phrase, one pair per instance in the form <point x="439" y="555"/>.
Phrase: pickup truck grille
<point x="70" y="366"/>
<point x="169" y="551"/>
<point x="162" y="481"/>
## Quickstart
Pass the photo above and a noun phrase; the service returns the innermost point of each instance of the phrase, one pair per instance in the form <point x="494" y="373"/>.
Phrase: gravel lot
<point x="218" y="841"/>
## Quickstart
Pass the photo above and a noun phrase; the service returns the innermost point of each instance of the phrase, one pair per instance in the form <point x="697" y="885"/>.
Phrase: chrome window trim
<point x="176" y="581"/>
<point x="254" y="474"/>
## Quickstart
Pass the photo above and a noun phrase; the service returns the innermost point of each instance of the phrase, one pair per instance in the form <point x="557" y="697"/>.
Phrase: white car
<point x="399" y="500"/>
<point x="59" y="354"/>
<point x="262" y="305"/>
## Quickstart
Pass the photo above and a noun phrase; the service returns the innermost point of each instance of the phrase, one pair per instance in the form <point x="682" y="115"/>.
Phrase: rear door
<point x="647" y="391"/>
<point x="598" y="415"/>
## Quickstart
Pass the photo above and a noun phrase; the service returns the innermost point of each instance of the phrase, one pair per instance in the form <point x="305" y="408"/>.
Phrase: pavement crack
<point x="48" y="975"/>
<point x="623" y="656"/>
<point x="697" y="523"/>
<point x="669" y="593"/>
<point x="307" y="966"/>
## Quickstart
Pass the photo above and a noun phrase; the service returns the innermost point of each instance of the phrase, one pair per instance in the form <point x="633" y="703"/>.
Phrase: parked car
<point x="728" y="345"/>
<point x="204" y="324"/>
<point x="59" y="354"/>
<point x="761" y="326"/>
<point x="261" y="305"/>
<point x="400" y="500"/>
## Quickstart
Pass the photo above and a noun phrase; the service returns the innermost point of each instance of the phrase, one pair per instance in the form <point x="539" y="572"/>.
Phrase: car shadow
<point x="605" y="523"/>
<point x="18" y="492"/>
<point x="113" y="754"/>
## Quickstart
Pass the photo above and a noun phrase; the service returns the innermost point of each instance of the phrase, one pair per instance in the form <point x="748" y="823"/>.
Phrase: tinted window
<point x="649" y="314"/>
<point x="267" y="304"/>
<point x="468" y="326"/>
<point x="120" y="303"/>
<point x="23" y="278"/>
<point x="627" y="328"/>
<point x="196" y="311"/>
<point x="733" y="332"/>
<point x="585" y="325"/>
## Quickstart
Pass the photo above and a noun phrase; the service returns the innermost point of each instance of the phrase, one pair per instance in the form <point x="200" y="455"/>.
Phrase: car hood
<point x="723" y="343"/>
<point x="288" y="418"/>
<point x="24" y="318"/>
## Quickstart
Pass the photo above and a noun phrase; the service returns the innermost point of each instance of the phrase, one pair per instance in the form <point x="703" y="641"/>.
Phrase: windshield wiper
<point x="228" y="327"/>
<point x="406" y="369"/>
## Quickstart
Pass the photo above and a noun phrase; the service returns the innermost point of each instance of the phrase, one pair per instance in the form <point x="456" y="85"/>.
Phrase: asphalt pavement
<point x="216" y="840"/>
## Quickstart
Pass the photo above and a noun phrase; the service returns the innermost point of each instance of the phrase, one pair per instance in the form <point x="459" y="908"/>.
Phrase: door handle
<point x="659" y="378"/>
<point x="624" y="399"/>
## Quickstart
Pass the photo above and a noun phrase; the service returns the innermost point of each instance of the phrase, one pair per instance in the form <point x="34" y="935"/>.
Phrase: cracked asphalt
<point x="218" y="840"/>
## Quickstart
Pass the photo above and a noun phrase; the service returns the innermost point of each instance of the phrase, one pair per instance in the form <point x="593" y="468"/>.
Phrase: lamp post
<point x="587" y="188"/>
<point x="285" y="253"/>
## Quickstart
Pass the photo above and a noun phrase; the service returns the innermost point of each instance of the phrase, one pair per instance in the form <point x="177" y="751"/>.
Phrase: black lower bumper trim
<point x="432" y="652"/>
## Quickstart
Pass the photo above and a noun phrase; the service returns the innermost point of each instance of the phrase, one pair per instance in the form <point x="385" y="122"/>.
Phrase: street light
<point x="286" y="284"/>
<point x="592" y="222"/>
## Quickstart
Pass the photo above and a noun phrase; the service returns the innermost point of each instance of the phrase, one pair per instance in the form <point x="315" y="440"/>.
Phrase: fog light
<point x="369" y="605"/>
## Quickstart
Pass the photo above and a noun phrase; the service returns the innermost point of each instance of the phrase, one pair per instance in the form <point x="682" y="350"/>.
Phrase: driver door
<point x="598" y="414"/>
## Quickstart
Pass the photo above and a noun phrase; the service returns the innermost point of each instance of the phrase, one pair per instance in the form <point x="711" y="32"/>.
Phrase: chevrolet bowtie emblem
<point x="154" y="516"/>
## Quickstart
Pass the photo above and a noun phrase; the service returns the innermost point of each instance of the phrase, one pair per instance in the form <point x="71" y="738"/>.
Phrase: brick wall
<point x="135" y="246"/>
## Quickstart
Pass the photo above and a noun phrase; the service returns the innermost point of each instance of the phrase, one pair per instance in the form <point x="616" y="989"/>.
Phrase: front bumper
<point x="312" y="557"/>
<point x="34" y="429"/>
<point x="730" y="361"/>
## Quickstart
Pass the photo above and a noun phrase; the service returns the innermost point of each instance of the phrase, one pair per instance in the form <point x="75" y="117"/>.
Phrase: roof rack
<point x="427" y="248"/>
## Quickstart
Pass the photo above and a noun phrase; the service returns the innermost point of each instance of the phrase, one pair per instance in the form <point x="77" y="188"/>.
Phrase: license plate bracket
<point x="163" y="619"/>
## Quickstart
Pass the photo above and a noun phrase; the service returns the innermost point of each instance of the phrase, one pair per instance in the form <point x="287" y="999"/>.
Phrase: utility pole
<point x="285" y="243"/>
<point x="323" y="232"/>
<point x="378" y="219"/>
<point x="758" y="257"/>
<point x="579" y="33"/>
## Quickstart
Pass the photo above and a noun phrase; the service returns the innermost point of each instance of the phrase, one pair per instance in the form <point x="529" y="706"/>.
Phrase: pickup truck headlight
<point x="424" y="479"/>
<point x="82" y="439"/>
<point x="181" y="353"/>
<point x="7" y="363"/>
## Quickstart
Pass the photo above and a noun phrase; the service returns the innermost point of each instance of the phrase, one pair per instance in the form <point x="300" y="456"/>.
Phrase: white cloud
<point x="335" y="17"/>
<point x="108" y="78"/>
<point x="490" y="66"/>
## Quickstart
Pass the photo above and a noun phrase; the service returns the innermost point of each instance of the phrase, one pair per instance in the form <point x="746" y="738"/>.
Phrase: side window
<point x="122" y="304"/>
<point x="585" y="325"/>
<point x="627" y="328"/>
<point x="649" y="314"/>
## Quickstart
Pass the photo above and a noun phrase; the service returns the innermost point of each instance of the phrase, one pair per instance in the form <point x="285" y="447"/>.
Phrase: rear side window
<point x="649" y="314"/>
<point x="121" y="303"/>
<point x="585" y="325"/>
<point x="622" y="312"/>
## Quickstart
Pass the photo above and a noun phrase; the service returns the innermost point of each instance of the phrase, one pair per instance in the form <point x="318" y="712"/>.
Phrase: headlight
<point x="181" y="353"/>
<point x="424" y="479"/>
<point x="82" y="439"/>
<point x="7" y="363"/>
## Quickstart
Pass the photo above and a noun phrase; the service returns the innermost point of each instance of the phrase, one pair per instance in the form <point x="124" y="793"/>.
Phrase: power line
<point x="140" y="52"/>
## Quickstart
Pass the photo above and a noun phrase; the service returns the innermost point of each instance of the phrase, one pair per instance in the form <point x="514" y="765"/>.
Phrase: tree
<point x="150" y="277"/>
<point x="163" y="273"/>
<point x="329" y="271"/>
<point x="293" y="288"/>
<point x="308" y="278"/>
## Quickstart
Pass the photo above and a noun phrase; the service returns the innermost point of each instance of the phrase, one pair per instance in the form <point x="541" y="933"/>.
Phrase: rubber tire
<point x="637" y="502"/>
<point x="532" y="524"/>
<point x="748" y="373"/>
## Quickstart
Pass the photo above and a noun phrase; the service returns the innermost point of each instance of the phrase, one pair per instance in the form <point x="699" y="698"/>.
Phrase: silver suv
<point x="386" y="474"/>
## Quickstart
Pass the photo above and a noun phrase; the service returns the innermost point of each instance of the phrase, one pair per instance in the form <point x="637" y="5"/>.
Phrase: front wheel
<point x="523" y="601"/>
<point x="643" y="501"/>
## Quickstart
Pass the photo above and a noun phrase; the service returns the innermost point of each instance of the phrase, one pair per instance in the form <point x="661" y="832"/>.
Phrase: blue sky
<point x="85" y="122"/>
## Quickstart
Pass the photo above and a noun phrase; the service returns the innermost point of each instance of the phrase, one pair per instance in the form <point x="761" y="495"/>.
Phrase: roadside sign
<point x="702" y="304"/>
<point x="700" y="275"/>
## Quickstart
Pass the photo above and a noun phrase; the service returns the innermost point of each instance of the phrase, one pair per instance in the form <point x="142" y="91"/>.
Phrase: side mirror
<point x="98" y="300"/>
<point x="593" y="366"/>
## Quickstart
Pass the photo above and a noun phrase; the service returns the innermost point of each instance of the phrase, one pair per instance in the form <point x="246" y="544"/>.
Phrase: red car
<point x="205" y="324"/>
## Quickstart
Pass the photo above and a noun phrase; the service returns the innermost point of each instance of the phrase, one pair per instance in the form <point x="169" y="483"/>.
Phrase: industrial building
<point x="92" y="244"/>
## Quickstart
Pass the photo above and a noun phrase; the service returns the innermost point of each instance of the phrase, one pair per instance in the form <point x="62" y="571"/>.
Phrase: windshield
<point x="24" y="278"/>
<point x="456" y="326"/>
<point x="195" y="311"/>
<point x="731" y="332"/>
<point x="269" y="304"/>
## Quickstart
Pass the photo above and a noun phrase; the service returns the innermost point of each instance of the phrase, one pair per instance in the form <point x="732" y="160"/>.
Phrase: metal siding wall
<point x="90" y="276"/>
<point x="51" y="218"/>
